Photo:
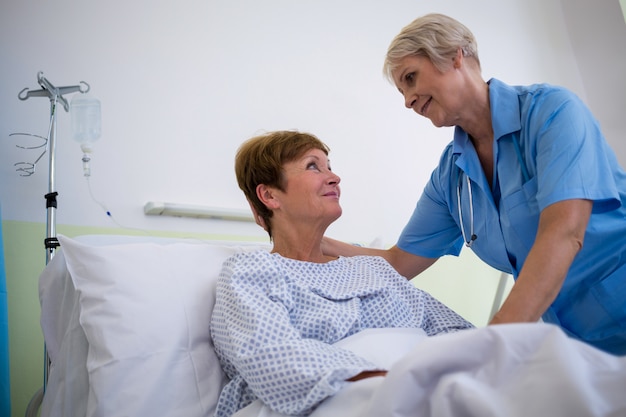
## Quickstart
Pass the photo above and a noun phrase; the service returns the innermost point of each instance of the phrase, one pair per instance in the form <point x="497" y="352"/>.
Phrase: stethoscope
<point x="472" y="235"/>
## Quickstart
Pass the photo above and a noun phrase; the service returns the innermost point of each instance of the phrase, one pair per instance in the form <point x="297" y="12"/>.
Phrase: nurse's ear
<point x="457" y="61"/>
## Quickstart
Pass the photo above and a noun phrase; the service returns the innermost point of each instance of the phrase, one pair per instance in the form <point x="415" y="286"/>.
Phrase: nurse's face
<point x="428" y="91"/>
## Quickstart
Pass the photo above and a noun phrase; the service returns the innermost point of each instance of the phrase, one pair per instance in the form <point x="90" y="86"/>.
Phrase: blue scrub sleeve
<point x="432" y="231"/>
<point x="572" y="158"/>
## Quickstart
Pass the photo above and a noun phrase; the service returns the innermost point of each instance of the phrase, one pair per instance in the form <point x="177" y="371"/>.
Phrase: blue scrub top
<point x="561" y="154"/>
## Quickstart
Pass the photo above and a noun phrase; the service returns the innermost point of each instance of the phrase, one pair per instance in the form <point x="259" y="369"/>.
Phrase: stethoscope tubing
<point x="472" y="235"/>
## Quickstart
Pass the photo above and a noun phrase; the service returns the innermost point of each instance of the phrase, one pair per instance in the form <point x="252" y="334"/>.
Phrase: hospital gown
<point x="275" y="320"/>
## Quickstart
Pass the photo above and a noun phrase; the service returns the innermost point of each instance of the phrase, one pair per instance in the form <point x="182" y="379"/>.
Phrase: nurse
<point x="528" y="183"/>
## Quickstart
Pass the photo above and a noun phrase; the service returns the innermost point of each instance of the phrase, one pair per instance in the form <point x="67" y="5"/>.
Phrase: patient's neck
<point x="300" y="245"/>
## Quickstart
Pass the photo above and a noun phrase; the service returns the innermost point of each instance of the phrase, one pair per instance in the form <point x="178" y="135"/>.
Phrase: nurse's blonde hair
<point x="435" y="36"/>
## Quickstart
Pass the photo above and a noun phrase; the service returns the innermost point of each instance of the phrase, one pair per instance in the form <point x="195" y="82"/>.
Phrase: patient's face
<point x="311" y="189"/>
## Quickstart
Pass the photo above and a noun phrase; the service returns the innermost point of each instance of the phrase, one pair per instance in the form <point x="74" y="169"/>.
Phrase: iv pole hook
<point x="49" y="90"/>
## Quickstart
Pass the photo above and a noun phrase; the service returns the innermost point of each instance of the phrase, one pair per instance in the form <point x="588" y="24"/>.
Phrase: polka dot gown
<point x="275" y="320"/>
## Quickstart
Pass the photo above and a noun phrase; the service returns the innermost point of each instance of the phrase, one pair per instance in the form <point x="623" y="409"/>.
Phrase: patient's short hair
<point x="260" y="160"/>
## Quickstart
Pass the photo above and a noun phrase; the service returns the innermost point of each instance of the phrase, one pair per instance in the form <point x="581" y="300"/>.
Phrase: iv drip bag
<point x="86" y="123"/>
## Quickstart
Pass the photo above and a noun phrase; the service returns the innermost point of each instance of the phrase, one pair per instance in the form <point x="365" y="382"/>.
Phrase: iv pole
<point x="55" y="94"/>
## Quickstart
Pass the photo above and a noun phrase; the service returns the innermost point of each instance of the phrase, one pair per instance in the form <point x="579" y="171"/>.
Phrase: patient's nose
<point x="334" y="178"/>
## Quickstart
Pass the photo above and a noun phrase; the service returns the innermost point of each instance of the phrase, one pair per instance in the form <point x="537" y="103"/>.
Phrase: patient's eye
<point x="312" y="165"/>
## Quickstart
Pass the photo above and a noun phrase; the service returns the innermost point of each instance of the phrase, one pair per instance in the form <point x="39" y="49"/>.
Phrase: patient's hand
<point x="367" y="374"/>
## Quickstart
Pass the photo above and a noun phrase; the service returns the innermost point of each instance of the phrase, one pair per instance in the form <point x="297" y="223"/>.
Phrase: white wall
<point x="597" y="30"/>
<point x="182" y="84"/>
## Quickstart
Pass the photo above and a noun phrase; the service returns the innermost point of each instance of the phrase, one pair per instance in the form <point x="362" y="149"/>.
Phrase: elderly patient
<point x="278" y="314"/>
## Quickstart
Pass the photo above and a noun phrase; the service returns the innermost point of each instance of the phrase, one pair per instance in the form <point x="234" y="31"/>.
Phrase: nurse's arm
<point x="407" y="264"/>
<point x="559" y="238"/>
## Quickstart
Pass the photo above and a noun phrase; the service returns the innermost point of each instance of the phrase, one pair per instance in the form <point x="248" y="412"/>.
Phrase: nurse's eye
<point x="409" y="78"/>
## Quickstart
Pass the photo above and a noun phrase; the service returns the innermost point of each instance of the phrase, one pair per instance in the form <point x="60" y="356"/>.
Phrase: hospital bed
<point x="126" y="325"/>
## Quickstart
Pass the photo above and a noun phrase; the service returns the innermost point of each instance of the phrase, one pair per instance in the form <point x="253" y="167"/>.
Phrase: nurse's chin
<point x="438" y="123"/>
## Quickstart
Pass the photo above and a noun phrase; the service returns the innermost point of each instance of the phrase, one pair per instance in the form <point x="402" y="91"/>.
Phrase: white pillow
<point x="145" y="309"/>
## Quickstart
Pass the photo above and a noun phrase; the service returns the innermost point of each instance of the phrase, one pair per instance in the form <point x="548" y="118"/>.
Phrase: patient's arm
<point x="367" y="374"/>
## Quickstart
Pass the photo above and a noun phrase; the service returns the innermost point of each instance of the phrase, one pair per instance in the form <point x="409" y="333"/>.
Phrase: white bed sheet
<point x="506" y="370"/>
<point x="68" y="385"/>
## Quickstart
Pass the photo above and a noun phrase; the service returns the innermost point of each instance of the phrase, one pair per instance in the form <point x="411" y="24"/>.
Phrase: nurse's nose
<point x="410" y="100"/>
